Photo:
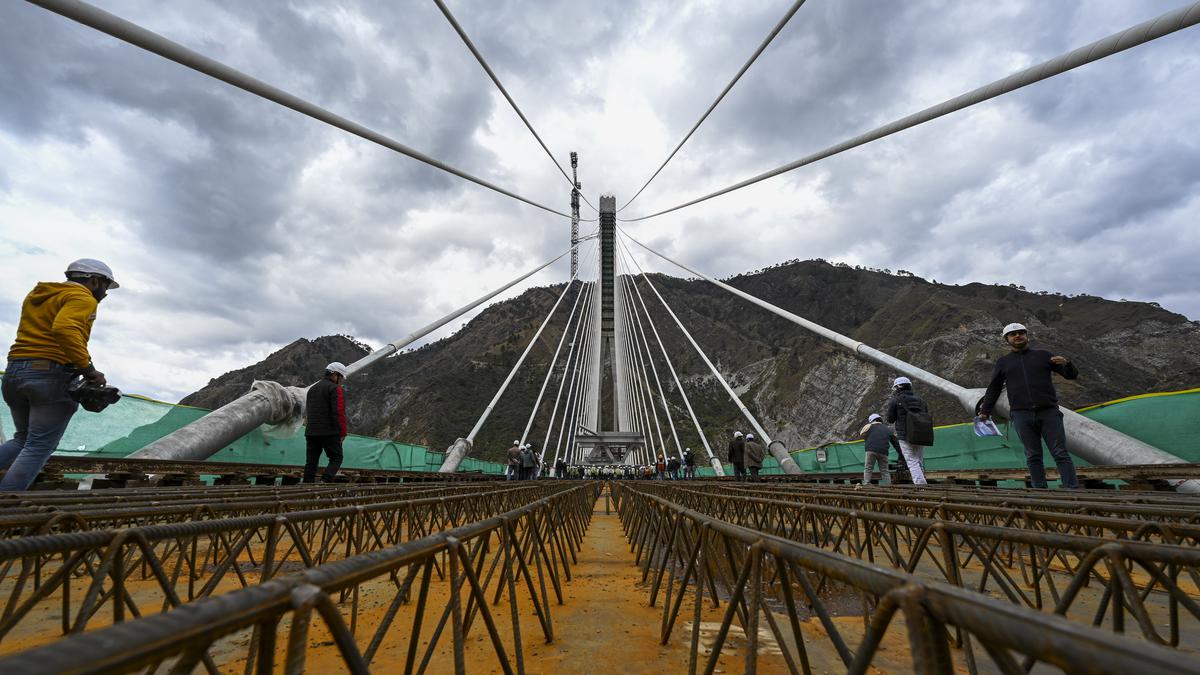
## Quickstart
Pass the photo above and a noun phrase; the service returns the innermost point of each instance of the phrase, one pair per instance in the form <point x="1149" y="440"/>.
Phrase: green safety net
<point x="1166" y="421"/>
<point x="135" y="422"/>
<point x="1163" y="420"/>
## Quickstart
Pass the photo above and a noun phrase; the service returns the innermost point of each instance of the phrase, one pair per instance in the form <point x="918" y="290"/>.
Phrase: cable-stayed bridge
<point x="250" y="578"/>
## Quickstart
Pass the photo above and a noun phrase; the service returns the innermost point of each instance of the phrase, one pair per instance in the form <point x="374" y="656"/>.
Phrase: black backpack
<point x="918" y="424"/>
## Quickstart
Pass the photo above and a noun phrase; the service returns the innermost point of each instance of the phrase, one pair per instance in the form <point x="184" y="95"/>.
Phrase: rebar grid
<point x="65" y="580"/>
<point x="1096" y="579"/>
<point x="768" y="577"/>
<point x="1152" y="506"/>
<point x="159" y="508"/>
<point x="522" y="554"/>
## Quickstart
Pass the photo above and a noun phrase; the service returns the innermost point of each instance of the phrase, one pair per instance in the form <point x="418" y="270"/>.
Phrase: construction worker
<point x="1033" y="403"/>
<point x="737" y="455"/>
<point x="514" y="461"/>
<point x="877" y="437"/>
<point x="914" y="426"/>
<point x="528" y="462"/>
<point x="689" y="464"/>
<point x="51" y="349"/>
<point x="325" y="424"/>
<point x="755" y="453"/>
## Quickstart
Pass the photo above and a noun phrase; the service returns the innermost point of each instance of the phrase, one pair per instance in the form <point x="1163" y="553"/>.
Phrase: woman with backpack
<point x="914" y="426"/>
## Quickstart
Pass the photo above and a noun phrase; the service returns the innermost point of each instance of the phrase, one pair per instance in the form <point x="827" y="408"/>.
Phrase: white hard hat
<point x="337" y="367"/>
<point x="901" y="380"/>
<point x="749" y="435"/>
<point x="874" y="416"/>
<point x="517" y="442"/>
<point x="93" y="266"/>
<point x="1012" y="327"/>
<point x="737" y="434"/>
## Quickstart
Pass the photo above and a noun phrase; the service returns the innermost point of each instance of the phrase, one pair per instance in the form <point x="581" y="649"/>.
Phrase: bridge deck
<point x="554" y="577"/>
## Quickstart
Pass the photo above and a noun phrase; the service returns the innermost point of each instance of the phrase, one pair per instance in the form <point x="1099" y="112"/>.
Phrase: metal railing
<point x="1095" y="579"/>
<point x="66" y="579"/>
<point x="456" y="578"/>
<point x="764" y="578"/>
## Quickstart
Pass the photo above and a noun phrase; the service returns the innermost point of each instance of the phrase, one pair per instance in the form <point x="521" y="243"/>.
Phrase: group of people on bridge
<point x="1025" y="373"/>
<point x="50" y="374"/>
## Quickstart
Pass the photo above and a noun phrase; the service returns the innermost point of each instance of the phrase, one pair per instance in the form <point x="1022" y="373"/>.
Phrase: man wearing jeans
<point x="1033" y="403"/>
<point x="50" y="350"/>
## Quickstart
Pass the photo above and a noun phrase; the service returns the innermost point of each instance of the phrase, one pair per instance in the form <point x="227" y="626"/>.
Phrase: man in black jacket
<point x="755" y="454"/>
<point x="737" y="455"/>
<point x="877" y="436"/>
<point x="325" y="424"/>
<point x="1033" y="403"/>
<point x="903" y="398"/>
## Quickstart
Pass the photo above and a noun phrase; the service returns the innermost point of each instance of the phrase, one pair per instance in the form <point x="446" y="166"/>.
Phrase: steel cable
<point x="150" y="41"/>
<point x="496" y="80"/>
<point x="746" y="66"/>
<point x="1153" y="29"/>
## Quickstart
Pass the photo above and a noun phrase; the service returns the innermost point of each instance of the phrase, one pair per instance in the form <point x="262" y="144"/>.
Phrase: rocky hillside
<point x="805" y="391"/>
<point x="299" y="363"/>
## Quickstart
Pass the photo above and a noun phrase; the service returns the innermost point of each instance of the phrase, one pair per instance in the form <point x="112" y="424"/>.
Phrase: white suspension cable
<point x="550" y="371"/>
<point x="1142" y="33"/>
<point x="583" y="373"/>
<point x="462" y="446"/>
<point x="637" y="386"/>
<point x="712" y="458"/>
<point x="649" y="356"/>
<point x="129" y="32"/>
<point x="787" y="16"/>
<point x="496" y="80"/>
<point x="781" y="455"/>
<point x="644" y="382"/>
<point x="392" y="348"/>
<point x="572" y="372"/>
<point x="571" y="367"/>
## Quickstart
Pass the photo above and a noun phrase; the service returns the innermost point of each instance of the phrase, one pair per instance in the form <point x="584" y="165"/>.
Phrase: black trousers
<point x="332" y="447"/>
<point x="739" y="471"/>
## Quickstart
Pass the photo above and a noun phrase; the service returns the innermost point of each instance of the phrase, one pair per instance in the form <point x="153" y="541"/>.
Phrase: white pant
<point x="914" y="457"/>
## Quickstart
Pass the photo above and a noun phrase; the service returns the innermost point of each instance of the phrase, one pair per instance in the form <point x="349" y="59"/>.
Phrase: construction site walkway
<point x="606" y="623"/>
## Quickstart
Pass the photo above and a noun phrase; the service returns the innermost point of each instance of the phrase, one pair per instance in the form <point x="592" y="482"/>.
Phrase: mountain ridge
<point x="803" y="389"/>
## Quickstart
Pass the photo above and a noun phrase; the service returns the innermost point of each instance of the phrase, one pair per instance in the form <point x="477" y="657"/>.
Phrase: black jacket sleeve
<point x="1067" y="370"/>
<point x="889" y="415"/>
<point x="993" y="389"/>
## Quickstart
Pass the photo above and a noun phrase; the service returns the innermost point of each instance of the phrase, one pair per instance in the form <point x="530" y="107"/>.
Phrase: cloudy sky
<point x="237" y="226"/>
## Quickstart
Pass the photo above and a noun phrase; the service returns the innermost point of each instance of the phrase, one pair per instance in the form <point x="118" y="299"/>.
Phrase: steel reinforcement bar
<point x="456" y="578"/>
<point x="66" y="579"/>
<point x="44" y="519"/>
<point x="1140" y="506"/>
<point x="1094" y="579"/>
<point x="1175" y="524"/>
<point x="768" y="579"/>
<point x="189" y="471"/>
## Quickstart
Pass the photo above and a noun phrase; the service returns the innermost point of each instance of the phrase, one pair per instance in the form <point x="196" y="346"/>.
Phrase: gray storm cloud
<point x="245" y="225"/>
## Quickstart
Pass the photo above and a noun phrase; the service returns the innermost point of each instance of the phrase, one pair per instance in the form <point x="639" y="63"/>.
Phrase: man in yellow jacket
<point x="51" y="348"/>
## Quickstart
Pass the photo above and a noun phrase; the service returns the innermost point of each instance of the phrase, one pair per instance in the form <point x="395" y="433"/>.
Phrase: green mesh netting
<point x="135" y="422"/>
<point x="1165" y="421"/>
